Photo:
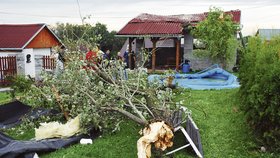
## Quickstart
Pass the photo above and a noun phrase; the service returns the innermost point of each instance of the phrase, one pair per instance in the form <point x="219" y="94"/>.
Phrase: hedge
<point x="260" y="89"/>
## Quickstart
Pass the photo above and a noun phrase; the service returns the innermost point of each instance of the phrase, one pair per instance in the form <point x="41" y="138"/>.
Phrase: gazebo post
<point x="154" y="40"/>
<point x="130" y="40"/>
<point x="178" y="45"/>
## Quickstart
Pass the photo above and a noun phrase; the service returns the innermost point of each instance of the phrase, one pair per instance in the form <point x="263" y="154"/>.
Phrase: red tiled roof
<point x="182" y="18"/>
<point x="149" y="24"/>
<point x="149" y="28"/>
<point x="17" y="36"/>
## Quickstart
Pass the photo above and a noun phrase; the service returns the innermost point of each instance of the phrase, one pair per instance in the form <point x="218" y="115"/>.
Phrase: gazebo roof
<point x="160" y="25"/>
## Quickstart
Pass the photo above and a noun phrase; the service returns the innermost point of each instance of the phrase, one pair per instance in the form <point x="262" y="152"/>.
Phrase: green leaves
<point x="76" y="36"/>
<point x="102" y="94"/>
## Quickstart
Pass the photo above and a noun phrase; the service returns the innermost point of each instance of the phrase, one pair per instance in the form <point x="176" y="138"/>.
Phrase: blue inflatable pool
<point x="215" y="78"/>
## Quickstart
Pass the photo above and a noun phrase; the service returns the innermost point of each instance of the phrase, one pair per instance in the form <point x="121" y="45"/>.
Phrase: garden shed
<point x="172" y="29"/>
<point x="22" y="47"/>
<point x="267" y="34"/>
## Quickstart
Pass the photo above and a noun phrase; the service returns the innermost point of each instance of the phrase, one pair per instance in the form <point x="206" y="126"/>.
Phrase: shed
<point x="28" y="43"/>
<point x="157" y="28"/>
<point x="267" y="34"/>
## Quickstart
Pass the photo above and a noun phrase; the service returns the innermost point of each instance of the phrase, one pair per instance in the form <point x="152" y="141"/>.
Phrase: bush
<point x="20" y="84"/>
<point x="260" y="89"/>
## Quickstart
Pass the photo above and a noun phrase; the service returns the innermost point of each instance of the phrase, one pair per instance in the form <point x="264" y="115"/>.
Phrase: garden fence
<point x="8" y="68"/>
<point x="48" y="62"/>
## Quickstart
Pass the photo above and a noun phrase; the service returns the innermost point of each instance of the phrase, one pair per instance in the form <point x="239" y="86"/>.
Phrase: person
<point x="126" y="58"/>
<point x="91" y="55"/>
<point x="100" y="54"/>
<point x="59" y="60"/>
<point x="91" y="58"/>
<point x="132" y="60"/>
<point x="107" y="55"/>
<point x="120" y="59"/>
<point x="119" y="56"/>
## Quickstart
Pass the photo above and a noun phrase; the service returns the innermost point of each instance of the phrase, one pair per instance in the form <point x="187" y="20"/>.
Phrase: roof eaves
<point x="17" y="49"/>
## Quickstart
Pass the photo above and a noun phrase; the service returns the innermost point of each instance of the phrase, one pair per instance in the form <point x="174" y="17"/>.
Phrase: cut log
<point x="157" y="133"/>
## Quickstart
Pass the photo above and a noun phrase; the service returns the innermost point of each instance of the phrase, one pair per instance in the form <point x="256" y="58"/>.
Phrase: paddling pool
<point x="215" y="78"/>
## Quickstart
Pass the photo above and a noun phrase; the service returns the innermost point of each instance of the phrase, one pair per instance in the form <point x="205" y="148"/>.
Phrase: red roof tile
<point x="149" y="24"/>
<point x="182" y="18"/>
<point x="150" y="28"/>
<point x="16" y="36"/>
<point x="236" y="15"/>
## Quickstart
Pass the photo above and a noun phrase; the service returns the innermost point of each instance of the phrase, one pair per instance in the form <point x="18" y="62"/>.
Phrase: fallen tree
<point x="101" y="94"/>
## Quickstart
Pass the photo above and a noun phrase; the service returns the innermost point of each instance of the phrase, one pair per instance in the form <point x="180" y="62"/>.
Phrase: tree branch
<point x="127" y="114"/>
<point x="58" y="100"/>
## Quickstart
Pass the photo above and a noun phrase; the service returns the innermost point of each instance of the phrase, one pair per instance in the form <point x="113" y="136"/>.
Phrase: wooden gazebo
<point x="157" y="27"/>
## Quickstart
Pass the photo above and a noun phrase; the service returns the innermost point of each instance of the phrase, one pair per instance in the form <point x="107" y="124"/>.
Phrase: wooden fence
<point x="8" y="67"/>
<point x="48" y="62"/>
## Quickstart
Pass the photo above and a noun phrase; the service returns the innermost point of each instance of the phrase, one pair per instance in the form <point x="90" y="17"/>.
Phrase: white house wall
<point x="29" y="67"/>
<point x="5" y="54"/>
<point x="33" y="68"/>
<point x="42" y="51"/>
<point x="38" y="54"/>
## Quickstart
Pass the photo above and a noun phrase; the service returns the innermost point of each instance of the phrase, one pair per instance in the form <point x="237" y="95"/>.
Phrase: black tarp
<point x="10" y="148"/>
<point x="12" y="113"/>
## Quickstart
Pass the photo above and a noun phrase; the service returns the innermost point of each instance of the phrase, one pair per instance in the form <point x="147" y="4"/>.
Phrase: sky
<point x="115" y="14"/>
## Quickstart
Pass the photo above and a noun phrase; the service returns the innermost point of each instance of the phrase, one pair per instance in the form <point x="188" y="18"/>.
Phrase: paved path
<point x="6" y="89"/>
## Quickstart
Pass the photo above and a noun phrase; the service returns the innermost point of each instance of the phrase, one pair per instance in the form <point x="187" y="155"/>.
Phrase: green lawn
<point x="223" y="129"/>
<point x="4" y="97"/>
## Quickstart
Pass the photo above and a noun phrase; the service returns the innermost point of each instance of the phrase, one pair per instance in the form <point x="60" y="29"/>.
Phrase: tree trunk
<point x="158" y="133"/>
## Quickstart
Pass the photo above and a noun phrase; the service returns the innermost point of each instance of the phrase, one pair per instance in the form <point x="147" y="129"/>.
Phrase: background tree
<point x="218" y="32"/>
<point x="73" y="35"/>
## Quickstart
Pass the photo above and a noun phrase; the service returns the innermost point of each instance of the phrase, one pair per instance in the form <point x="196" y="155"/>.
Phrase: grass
<point x="5" y="97"/>
<point x="119" y="144"/>
<point x="223" y="129"/>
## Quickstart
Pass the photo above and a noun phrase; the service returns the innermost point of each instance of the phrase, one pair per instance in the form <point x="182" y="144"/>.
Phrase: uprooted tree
<point x="102" y="93"/>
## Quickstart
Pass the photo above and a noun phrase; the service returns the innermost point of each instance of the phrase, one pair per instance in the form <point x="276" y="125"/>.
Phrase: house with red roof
<point x="29" y="43"/>
<point x="167" y="37"/>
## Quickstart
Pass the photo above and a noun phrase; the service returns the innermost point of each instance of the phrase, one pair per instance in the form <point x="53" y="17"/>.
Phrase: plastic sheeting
<point x="215" y="78"/>
<point x="12" y="113"/>
<point x="10" y="148"/>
